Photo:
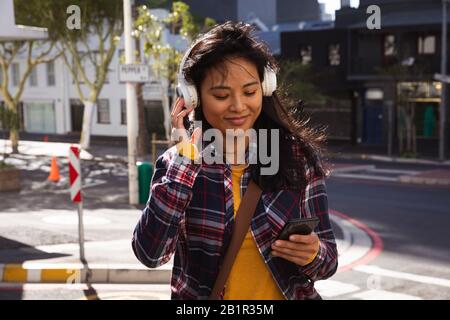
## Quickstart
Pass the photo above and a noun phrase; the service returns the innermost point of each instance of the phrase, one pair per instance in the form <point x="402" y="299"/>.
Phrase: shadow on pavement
<point x="12" y="251"/>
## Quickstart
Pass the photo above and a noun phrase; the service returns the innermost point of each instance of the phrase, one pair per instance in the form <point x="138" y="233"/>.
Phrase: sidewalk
<point x="113" y="261"/>
<point x="49" y="251"/>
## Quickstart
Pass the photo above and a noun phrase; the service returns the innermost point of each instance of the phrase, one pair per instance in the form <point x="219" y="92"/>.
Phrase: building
<point x="50" y="102"/>
<point x="377" y="66"/>
<point x="270" y="17"/>
<point x="270" y="12"/>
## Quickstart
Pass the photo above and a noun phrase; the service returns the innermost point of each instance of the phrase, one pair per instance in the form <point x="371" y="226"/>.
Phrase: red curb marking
<point x="377" y="243"/>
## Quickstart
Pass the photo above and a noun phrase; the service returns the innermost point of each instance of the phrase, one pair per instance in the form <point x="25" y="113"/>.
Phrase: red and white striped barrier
<point x="75" y="174"/>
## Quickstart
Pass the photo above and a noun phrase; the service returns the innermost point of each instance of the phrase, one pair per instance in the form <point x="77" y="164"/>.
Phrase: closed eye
<point x="220" y="97"/>
<point x="248" y="94"/>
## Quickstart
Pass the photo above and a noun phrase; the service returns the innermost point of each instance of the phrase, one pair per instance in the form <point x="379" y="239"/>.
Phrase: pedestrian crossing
<point x="337" y="290"/>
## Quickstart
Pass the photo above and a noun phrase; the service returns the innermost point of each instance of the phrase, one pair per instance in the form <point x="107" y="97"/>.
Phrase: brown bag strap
<point x="244" y="216"/>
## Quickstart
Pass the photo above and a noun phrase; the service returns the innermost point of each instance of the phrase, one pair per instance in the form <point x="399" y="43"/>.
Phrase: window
<point x="123" y="111"/>
<point x="103" y="111"/>
<point x="51" y="74"/>
<point x="306" y="54"/>
<point x="389" y="45"/>
<point x="33" y="77"/>
<point x="426" y="45"/>
<point x="334" y="56"/>
<point x="15" y="74"/>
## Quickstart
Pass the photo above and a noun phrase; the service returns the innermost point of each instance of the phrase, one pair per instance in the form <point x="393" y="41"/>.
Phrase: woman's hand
<point x="179" y="133"/>
<point x="299" y="249"/>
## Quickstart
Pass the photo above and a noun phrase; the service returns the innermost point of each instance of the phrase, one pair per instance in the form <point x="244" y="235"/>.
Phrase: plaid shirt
<point x="190" y="213"/>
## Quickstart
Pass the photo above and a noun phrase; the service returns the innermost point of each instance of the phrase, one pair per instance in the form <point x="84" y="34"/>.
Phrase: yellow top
<point x="249" y="278"/>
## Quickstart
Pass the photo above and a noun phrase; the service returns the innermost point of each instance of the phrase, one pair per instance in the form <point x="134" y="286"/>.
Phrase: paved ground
<point x="391" y="232"/>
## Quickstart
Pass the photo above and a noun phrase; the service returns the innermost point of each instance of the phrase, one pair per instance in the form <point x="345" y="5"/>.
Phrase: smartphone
<point x="303" y="226"/>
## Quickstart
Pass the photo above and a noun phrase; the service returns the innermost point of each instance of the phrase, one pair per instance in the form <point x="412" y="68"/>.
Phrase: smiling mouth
<point x="237" y="118"/>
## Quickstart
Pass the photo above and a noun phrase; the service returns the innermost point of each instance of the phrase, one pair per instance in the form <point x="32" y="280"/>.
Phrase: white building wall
<point x="64" y="90"/>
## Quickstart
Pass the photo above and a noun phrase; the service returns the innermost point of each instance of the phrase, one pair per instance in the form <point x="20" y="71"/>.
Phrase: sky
<point x="332" y="5"/>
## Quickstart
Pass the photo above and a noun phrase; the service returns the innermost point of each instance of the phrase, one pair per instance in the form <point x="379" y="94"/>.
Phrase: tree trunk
<point x="14" y="137"/>
<point x="85" y="139"/>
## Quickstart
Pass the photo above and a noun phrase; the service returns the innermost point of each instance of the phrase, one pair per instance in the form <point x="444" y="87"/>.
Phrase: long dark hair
<point x="300" y="146"/>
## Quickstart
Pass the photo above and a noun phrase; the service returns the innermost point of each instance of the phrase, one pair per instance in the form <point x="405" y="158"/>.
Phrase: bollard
<point x="145" y="174"/>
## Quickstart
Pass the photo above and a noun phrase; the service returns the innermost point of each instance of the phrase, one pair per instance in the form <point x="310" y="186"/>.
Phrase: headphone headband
<point x="189" y="92"/>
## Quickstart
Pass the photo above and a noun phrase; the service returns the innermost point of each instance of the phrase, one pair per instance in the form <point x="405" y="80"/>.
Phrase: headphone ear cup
<point x="190" y="96"/>
<point x="269" y="85"/>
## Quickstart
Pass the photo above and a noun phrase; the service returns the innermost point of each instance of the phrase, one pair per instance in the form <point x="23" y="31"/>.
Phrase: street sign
<point x="74" y="174"/>
<point x="134" y="73"/>
<point x="442" y="78"/>
<point x="75" y="193"/>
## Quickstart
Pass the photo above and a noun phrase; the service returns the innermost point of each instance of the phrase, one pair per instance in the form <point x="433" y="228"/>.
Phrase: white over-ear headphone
<point x="189" y="92"/>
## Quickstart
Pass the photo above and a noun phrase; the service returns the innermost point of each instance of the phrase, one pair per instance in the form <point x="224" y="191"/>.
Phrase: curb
<point x="364" y="156"/>
<point x="353" y="168"/>
<point x="77" y="273"/>
<point x="72" y="273"/>
<point x="427" y="181"/>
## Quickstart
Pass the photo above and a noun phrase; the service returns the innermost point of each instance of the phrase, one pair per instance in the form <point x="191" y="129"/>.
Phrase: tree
<point x="34" y="52"/>
<point x="88" y="50"/>
<point x="9" y="120"/>
<point x="297" y="79"/>
<point x="165" y="57"/>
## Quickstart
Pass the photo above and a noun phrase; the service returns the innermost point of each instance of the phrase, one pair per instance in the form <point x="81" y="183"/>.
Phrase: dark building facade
<point x="269" y="11"/>
<point x="380" y="70"/>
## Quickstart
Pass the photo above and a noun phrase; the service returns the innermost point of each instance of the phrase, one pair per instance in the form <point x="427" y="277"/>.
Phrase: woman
<point x="192" y="205"/>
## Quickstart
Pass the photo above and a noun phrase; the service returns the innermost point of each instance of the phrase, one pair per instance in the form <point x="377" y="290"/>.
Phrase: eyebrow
<point x="225" y="87"/>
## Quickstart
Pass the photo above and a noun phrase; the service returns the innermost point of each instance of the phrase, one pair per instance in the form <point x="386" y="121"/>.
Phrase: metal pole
<point x="81" y="231"/>
<point x="389" y="105"/>
<point x="442" y="115"/>
<point x="132" y="118"/>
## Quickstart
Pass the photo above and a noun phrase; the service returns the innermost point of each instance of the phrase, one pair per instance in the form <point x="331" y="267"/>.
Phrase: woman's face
<point x="233" y="101"/>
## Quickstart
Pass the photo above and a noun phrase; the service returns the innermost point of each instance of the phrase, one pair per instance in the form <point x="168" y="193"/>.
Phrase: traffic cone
<point x="54" y="171"/>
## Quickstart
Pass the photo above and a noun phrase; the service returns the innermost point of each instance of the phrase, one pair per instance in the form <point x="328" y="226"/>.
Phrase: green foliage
<point x="166" y="58"/>
<point x="4" y="165"/>
<point x="52" y="14"/>
<point x="297" y="79"/>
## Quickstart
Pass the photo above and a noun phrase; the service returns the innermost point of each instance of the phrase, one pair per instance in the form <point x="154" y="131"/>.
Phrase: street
<point x="392" y="235"/>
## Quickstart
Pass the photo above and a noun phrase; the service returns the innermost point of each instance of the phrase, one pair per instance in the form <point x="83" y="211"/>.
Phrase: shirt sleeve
<point x="155" y="236"/>
<point x="314" y="202"/>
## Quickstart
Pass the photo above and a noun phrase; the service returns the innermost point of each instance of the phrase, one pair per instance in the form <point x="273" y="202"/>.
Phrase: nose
<point x="237" y="105"/>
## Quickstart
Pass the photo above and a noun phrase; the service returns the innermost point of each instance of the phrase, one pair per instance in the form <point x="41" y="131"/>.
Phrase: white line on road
<point x="394" y="171"/>
<point x="353" y="168"/>
<point x="403" y="275"/>
<point x="331" y="288"/>
<point x="365" y="177"/>
<point x="383" y="295"/>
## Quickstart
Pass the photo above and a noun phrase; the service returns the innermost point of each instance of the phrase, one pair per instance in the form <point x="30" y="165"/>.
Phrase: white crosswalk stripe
<point x="332" y="289"/>
<point x="383" y="295"/>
